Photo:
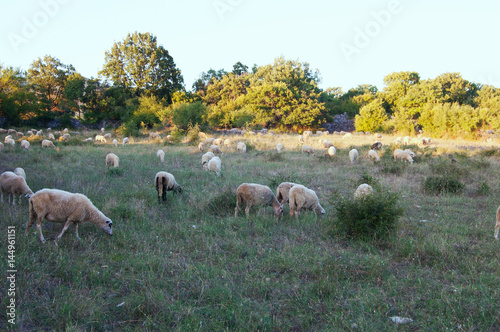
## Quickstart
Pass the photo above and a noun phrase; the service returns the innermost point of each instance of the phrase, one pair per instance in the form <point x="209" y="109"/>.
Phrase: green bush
<point x="188" y="113"/>
<point x="222" y="204"/>
<point x="373" y="217"/>
<point x="443" y="185"/>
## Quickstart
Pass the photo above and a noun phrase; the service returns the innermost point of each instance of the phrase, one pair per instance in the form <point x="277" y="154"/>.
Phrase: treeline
<point x="139" y="86"/>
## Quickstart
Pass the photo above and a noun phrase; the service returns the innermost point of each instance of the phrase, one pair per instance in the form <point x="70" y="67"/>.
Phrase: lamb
<point x="125" y="141"/>
<point x="283" y="192"/>
<point x="10" y="142"/>
<point x="112" y="159"/>
<point x="201" y="146"/>
<point x="402" y="155"/>
<point x="363" y="190"/>
<point x="497" y="226"/>
<point x="215" y="149"/>
<point x="20" y="172"/>
<point x="115" y="143"/>
<point x="279" y="147"/>
<point x="218" y="141"/>
<point x="13" y="184"/>
<point x="166" y="182"/>
<point x="307" y="149"/>
<point x="25" y="144"/>
<point x="161" y="154"/>
<point x="206" y="158"/>
<point x="353" y="155"/>
<point x="214" y="165"/>
<point x="100" y="138"/>
<point x="59" y="206"/>
<point x="373" y="155"/>
<point x="304" y="198"/>
<point x="48" y="144"/>
<point x="376" y="146"/>
<point x="256" y="194"/>
<point x="332" y="151"/>
<point x="241" y="147"/>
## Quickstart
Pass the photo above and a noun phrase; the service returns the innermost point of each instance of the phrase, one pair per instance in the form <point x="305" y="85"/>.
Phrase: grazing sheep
<point x="327" y="144"/>
<point x="279" y="147"/>
<point x="201" y="146"/>
<point x="205" y="159"/>
<point x="256" y="194"/>
<point x="115" y="143"/>
<point x="378" y="135"/>
<point x="20" y="172"/>
<point x="112" y="159"/>
<point x="214" y="165"/>
<point x="51" y="136"/>
<point x="363" y="190"/>
<point x="166" y="182"/>
<point x="332" y="151"/>
<point x="48" y="144"/>
<point x="125" y="141"/>
<point x="2" y="131"/>
<point x="347" y="135"/>
<point x="353" y="155"/>
<point x="154" y="136"/>
<point x="19" y="134"/>
<point x="215" y="149"/>
<point x="398" y="141"/>
<point x="12" y="131"/>
<point x="301" y="197"/>
<point x="58" y="133"/>
<point x="66" y="208"/>
<point x="1" y="146"/>
<point x="307" y="149"/>
<point x="102" y="130"/>
<point x="107" y="136"/>
<point x="241" y="147"/>
<point x="227" y="143"/>
<point x="170" y="138"/>
<point x="410" y="152"/>
<point x="65" y="131"/>
<point x="49" y="130"/>
<point x="100" y="138"/>
<point x="373" y="155"/>
<point x="7" y="137"/>
<point x="406" y="140"/>
<point x="39" y="133"/>
<point x="402" y="155"/>
<point x="25" y="144"/>
<point x="13" y="184"/>
<point x="301" y="139"/>
<point x="161" y="154"/>
<point x="218" y="141"/>
<point x="376" y="146"/>
<point x="307" y="134"/>
<point x="66" y="136"/>
<point x="88" y="139"/>
<point x="209" y="141"/>
<point x="497" y="226"/>
<point x="283" y="192"/>
<point x="10" y="142"/>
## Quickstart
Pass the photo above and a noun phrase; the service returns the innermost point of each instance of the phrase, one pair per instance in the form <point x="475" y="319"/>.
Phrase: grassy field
<point x="189" y="264"/>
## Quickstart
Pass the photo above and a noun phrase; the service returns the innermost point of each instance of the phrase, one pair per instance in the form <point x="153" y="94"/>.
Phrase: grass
<point x="189" y="264"/>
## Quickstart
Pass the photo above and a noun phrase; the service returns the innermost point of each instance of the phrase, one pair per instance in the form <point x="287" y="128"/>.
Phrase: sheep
<point x="88" y="139"/>
<point x="115" y="143"/>
<point x="353" y="155"/>
<point x="307" y="149"/>
<point x="214" y="165"/>
<point x="25" y="144"/>
<point x="279" y="147"/>
<point x="347" y="135"/>
<point x="406" y="140"/>
<point x="59" y="206"/>
<point x="201" y="146"/>
<point x="112" y="159"/>
<point x="241" y="147"/>
<point x="1" y="146"/>
<point x="19" y="134"/>
<point x="39" y="133"/>
<point x="402" y="155"/>
<point x="12" y="131"/>
<point x="107" y="136"/>
<point x="49" y="130"/>
<point x="206" y="158"/>
<point x="363" y="190"/>
<point x="410" y="152"/>
<point x="327" y="144"/>
<point x="378" y="135"/>
<point x="58" y="133"/>
<point x="100" y="138"/>
<point x="2" y="131"/>
<point x="125" y="141"/>
<point x="161" y="154"/>
<point x="373" y="155"/>
<point x="13" y="184"/>
<point x="154" y="136"/>
<point x="102" y="130"/>
<point x="7" y="137"/>
<point x="301" y="139"/>
<point x="283" y="192"/>
<point x="376" y="146"/>
<point x="332" y="151"/>
<point x="51" y="136"/>
<point x="48" y="144"/>
<point x="218" y="141"/>
<point x="209" y="141"/>
<point x="227" y="143"/>
<point x="307" y="134"/>
<point x="301" y="197"/>
<point x="66" y="136"/>
<point x="170" y="138"/>
<point x="256" y="194"/>
<point x="166" y="182"/>
<point x="215" y="149"/>
<point x="10" y="142"/>
<point x="497" y="226"/>
<point x="65" y="131"/>
<point x="20" y="172"/>
<point x="398" y="141"/>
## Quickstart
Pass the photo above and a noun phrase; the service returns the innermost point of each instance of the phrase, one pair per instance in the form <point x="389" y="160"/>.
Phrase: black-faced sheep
<point x="60" y="206"/>
<point x="13" y="184"/>
<point x="376" y="146"/>
<point x="166" y="182"/>
<point x="252" y="194"/>
<point x="301" y="197"/>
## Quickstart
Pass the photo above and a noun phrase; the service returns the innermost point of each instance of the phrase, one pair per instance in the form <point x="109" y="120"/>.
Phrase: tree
<point x="17" y="103"/>
<point x="73" y="93"/>
<point x="201" y="84"/>
<point x="371" y="116"/>
<point x="138" y="62"/>
<point x="239" y="69"/>
<point x="397" y="86"/>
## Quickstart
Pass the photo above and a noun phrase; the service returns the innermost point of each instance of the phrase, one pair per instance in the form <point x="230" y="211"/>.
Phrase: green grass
<point x="189" y="264"/>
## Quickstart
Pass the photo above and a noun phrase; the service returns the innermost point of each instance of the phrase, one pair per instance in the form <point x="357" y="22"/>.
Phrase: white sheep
<point x="169" y="138"/>
<point x="112" y="159"/>
<point x="102" y="130"/>
<point x="39" y="133"/>
<point x="209" y="141"/>
<point x="363" y="190"/>
<point x="12" y="131"/>
<point x="13" y="184"/>
<point x="353" y="155"/>
<point x="327" y="144"/>
<point x="497" y="225"/>
<point x="279" y="147"/>
<point x="154" y="136"/>
<point x="59" y="206"/>
<point x="406" y="140"/>
<point x="107" y="136"/>
<point x="332" y="151"/>
<point x="301" y="197"/>
<point x="283" y="192"/>
<point x="307" y="134"/>
<point x="227" y="143"/>
<point x="347" y="135"/>
<point x="48" y="144"/>
<point x="100" y="138"/>
<point x="307" y="149"/>
<point x="164" y="182"/>
<point x="241" y="147"/>
<point x="25" y="144"/>
<point x="51" y="136"/>
<point x="205" y="159"/>
<point x="125" y="141"/>
<point x="402" y="155"/>
<point x="252" y="194"/>
<point x="65" y="131"/>
<point x="214" y="165"/>
<point x="88" y="139"/>
<point x="301" y="139"/>
<point x="161" y="154"/>
<point x="373" y="155"/>
<point x="20" y="172"/>
<point x="115" y="143"/>
<point x="218" y="141"/>
<point x="215" y="149"/>
<point x="201" y="146"/>
<point x="398" y="141"/>
<point x="7" y="138"/>
<point x="10" y="142"/>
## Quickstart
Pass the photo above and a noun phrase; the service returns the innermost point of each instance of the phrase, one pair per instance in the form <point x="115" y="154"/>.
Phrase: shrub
<point x="192" y="133"/>
<point x="443" y="184"/>
<point x="222" y="204"/>
<point x="373" y="217"/>
<point x="188" y="113"/>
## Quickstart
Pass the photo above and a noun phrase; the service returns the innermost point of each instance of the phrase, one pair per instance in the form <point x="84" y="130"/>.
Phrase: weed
<point x="445" y="184"/>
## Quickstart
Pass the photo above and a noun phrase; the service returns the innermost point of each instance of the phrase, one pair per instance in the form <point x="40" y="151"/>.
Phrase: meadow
<point x="189" y="264"/>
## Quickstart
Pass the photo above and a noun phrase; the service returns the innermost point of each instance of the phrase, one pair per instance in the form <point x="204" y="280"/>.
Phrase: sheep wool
<point x="161" y="154"/>
<point x="327" y="144"/>
<point x="112" y="159"/>
<point x="283" y="192"/>
<point x="47" y="144"/>
<point x="332" y="151"/>
<point x="59" y="206"/>
<point x="125" y="141"/>
<point x="10" y="142"/>
<point x="206" y="158"/>
<point x="201" y="146"/>
<point x="353" y="155"/>
<point x="100" y="138"/>
<point x="214" y="165"/>
<point x="279" y="147"/>
<point x="252" y="194"/>
<point x="13" y="184"/>
<point x="227" y="143"/>
<point x="373" y="155"/>
<point x="215" y="149"/>
<point x="304" y="198"/>
<point x="307" y="149"/>
<point x="218" y="141"/>
<point x="25" y="144"/>
<point x="241" y="147"/>
<point x="164" y="182"/>
<point x="363" y="190"/>
<point x="115" y="143"/>
<point x="20" y="172"/>
<point x="402" y="155"/>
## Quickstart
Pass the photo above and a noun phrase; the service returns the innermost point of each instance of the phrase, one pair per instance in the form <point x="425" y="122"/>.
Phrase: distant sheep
<point x="307" y="149"/>
<point x="25" y="144"/>
<point x="161" y="154"/>
<point x="65" y="131"/>
<point x="19" y="134"/>
<point x="363" y="190"/>
<point x="283" y="192"/>
<point x="497" y="226"/>
<point x="59" y="206"/>
<point x="39" y="133"/>
<point x="301" y="139"/>
<point x="326" y="144"/>
<point x="201" y="146"/>
<point x="215" y="149"/>
<point x="7" y="137"/>
<point x="12" y="131"/>
<point x="304" y="198"/>
<point x="112" y="160"/>
<point x="48" y="144"/>
<point x="115" y="142"/>
<point x="214" y="165"/>
<point x="20" y="172"/>
<point x="107" y="136"/>
<point x="154" y="136"/>
<point x="406" y="140"/>
<point x="102" y="130"/>
<point x="376" y="146"/>
<point x="88" y="139"/>
<point x="51" y="136"/>
<point x="307" y="134"/>
<point x="227" y="143"/>
<point x="402" y="155"/>
<point x="279" y="147"/>
<point x="205" y="159"/>
<point x="125" y="141"/>
<point x="164" y="182"/>
<point x="332" y="151"/>
<point x="252" y="194"/>
<point x="373" y="155"/>
<point x="209" y="141"/>
<point x="241" y="147"/>
<point x="218" y="141"/>
<point x="13" y="184"/>
<point x="353" y="155"/>
<point x="398" y="141"/>
<point x="378" y="135"/>
<point x="100" y="138"/>
<point x="10" y="141"/>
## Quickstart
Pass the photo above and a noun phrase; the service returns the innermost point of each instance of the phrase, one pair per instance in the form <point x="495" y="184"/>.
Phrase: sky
<point x="349" y="42"/>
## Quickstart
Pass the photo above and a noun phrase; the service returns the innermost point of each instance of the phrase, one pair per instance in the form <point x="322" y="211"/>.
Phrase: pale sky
<point x="349" y="42"/>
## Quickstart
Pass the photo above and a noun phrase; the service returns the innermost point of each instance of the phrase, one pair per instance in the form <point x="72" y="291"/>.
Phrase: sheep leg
<point x="13" y="199"/>
<point x="76" y="231"/>
<point x="247" y="209"/>
<point x="39" y="228"/>
<point x="66" y="225"/>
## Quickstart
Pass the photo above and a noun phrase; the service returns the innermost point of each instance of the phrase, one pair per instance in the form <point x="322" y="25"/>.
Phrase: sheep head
<point x="278" y="210"/>
<point x="106" y="227"/>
